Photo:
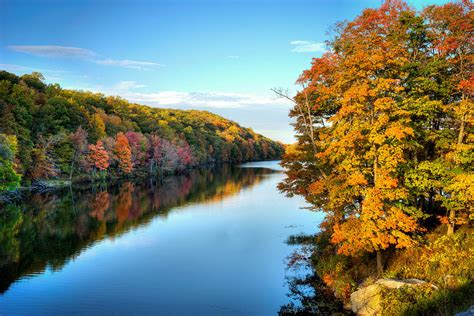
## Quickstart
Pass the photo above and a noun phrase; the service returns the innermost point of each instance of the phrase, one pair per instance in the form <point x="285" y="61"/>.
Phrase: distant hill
<point x="49" y="132"/>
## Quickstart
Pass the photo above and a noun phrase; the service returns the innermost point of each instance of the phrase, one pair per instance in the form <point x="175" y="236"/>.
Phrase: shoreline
<point x="84" y="181"/>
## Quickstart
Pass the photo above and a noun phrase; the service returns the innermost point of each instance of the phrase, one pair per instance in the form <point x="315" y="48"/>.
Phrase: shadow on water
<point x="307" y="292"/>
<point x="48" y="230"/>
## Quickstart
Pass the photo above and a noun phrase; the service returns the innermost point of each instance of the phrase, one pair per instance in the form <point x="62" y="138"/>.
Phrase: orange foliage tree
<point x="371" y="125"/>
<point x="98" y="156"/>
<point x="369" y="135"/>
<point x="123" y="152"/>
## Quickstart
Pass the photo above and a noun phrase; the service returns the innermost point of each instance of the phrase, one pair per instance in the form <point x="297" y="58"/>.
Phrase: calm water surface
<point x="208" y="243"/>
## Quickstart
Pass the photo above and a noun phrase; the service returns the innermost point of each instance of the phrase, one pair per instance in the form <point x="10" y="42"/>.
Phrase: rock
<point x="366" y="301"/>
<point x="396" y="283"/>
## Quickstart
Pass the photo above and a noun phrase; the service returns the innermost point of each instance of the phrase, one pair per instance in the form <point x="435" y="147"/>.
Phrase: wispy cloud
<point x="127" y="85"/>
<point x="233" y="57"/>
<point x="126" y="63"/>
<point x="308" y="46"/>
<point x="52" y="51"/>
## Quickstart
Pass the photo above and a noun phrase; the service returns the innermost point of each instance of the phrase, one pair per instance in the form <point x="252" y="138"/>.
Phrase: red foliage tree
<point x="155" y="152"/>
<point x="185" y="155"/>
<point x="139" y="148"/>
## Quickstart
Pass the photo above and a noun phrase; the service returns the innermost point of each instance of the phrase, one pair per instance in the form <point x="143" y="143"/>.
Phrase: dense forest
<point x="48" y="132"/>
<point x="384" y="122"/>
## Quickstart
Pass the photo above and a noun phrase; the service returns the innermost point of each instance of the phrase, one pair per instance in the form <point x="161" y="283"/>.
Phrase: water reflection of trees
<point x="49" y="229"/>
<point x="307" y="293"/>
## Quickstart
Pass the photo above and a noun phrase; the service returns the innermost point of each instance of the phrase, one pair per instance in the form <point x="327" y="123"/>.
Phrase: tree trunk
<point x="461" y="130"/>
<point x="379" y="262"/>
<point x="451" y="222"/>
<point x="452" y="213"/>
<point x="72" y="167"/>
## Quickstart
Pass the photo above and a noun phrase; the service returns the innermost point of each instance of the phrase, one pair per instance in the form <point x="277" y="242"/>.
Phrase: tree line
<point x="49" y="132"/>
<point x="384" y="123"/>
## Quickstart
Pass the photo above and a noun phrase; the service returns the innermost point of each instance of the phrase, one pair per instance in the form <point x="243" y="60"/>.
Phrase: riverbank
<point x="442" y="268"/>
<point x="84" y="180"/>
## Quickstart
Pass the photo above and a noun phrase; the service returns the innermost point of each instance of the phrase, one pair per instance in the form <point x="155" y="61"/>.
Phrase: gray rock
<point x="367" y="300"/>
<point x="397" y="283"/>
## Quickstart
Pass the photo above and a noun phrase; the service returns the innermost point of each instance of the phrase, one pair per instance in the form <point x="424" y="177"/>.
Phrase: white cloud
<point x="127" y="85"/>
<point x="126" y="63"/>
<point x="54" y="51"/>
<point x="201" y="99"/>
<point x="265" y="113"/>
<point x="198" y="100"/>
<point x="233" y="57"/>
<point x="81" y="53"/>
<point x="308" y="46"/>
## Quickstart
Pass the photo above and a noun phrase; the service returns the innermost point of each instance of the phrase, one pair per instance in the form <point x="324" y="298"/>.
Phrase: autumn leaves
<point x="387" y="102"/>
<point x="132" y="150"/>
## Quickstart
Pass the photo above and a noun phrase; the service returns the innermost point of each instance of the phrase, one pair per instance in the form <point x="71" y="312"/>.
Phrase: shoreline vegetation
<point x="385" y="148"/>
<point x="51" y="136"/>
<point x="84" y="182"/>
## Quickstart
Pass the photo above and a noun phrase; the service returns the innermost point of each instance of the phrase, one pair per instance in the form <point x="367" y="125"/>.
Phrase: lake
<point x="211" y="242"/>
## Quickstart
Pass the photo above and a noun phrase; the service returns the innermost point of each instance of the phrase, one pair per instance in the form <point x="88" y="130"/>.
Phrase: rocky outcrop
<point x="367" y="300"/>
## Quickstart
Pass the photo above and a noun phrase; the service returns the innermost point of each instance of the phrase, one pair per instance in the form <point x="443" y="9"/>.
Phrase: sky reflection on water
<point x="208" y="243"/>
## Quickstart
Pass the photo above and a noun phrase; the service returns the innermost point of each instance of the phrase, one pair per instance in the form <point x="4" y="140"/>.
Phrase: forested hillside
<point x="49" y="132"/>
<point x="385" y="148"/>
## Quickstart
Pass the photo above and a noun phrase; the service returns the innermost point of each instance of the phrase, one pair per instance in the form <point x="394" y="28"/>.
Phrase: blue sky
<point x="216" y="55"/>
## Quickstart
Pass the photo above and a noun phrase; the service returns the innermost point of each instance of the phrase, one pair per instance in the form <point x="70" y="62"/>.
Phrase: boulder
<point x="367" y="300"/>
<point x="396" y="283"/>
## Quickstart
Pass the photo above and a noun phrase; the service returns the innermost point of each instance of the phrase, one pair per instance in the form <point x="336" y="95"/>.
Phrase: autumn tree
<point x="43" y="163"/>
<point x="451" y="28"/>
<point x="123" y="152"/>
<point x="97" y="127"/>
<point x="98" y="156"/>
<point x="139" y="148"/>
<point x="358" y="139"/>
<point x="155" y="152"/>
<point x="185" y="155"/>
<point x="170" y="157"/>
